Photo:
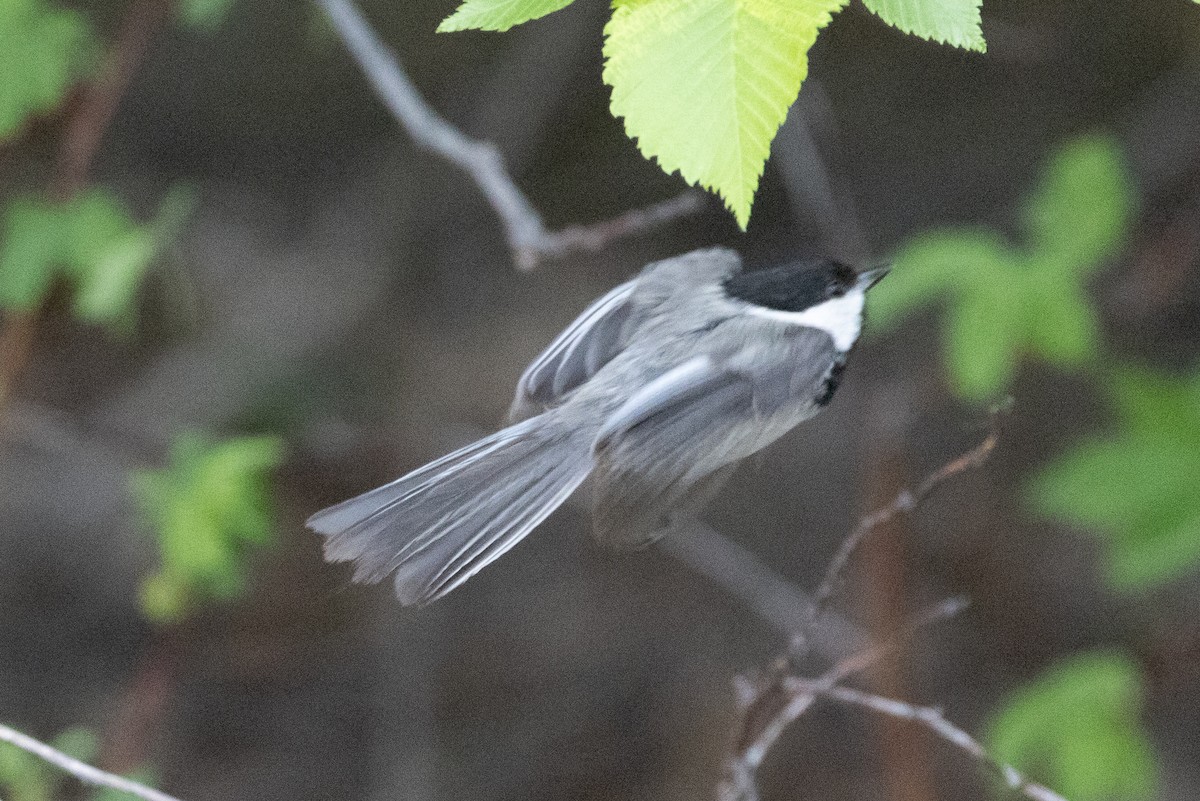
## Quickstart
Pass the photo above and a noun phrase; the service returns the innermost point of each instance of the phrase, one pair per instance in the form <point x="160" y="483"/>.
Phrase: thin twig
<point x="768" y="704"/>
<point x="528" y="237"/>
<point x="933" y="719"/>
<point x="80" y="770"/>
<point x="904" y="503"/>
<point x="771" y="702"/>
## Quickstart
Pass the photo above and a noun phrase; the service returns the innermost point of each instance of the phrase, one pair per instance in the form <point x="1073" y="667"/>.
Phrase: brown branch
<point x="933" y="719"/>
<point x="80" y="770"/>
<point x="528" y="237"/>
<point x="92" y="117"/>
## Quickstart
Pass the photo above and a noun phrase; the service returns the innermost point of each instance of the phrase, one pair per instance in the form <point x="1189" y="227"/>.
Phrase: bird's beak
<point x="869" y="278"/>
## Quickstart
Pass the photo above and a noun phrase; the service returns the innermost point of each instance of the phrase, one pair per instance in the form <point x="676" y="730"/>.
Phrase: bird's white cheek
<point x="841" y="318"/>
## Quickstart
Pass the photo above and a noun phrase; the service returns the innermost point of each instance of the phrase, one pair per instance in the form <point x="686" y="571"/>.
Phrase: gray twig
<point x="768" y="703"/>
<point x="528" y="237"/>
<point x="771" y="701"/>
<point x="933" y="719"/>
<point x="80" y="770"/>
<point x="904" y="503"/>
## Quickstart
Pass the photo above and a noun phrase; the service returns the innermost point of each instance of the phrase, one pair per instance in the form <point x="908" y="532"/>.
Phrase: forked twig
<point x="769" y="703"/>
<point x="80" y="770"/>
<point x="528" y="237"/>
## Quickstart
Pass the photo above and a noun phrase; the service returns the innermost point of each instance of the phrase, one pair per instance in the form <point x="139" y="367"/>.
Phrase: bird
<point x="652" y="396"/>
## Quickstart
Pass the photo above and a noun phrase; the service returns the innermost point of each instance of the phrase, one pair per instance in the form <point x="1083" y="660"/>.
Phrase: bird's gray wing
<point x="661" y="450"/>
<point x="576" y="354"/>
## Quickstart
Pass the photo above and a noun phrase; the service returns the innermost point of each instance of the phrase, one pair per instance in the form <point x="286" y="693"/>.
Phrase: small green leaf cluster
<point x="1002" y="302"/>
<point x="208" y="509"/>
<point x="91" y="243"/>
<point x="1076" y="729"/>
<point x="703" y="85"/>
<point x="43" y="50"/>
<point x="1139" y="488"/>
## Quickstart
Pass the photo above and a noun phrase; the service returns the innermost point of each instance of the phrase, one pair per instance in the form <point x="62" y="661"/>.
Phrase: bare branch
<point x="904" y="503"/>
<point x="933" y="719"/>
<point x="528" y="237"/>
<point x="771" y="702"/>
<point x="80" y="770"/>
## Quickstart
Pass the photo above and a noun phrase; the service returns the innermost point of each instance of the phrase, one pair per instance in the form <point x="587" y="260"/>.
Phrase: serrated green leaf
<point x="932" y="266"/>
<point x="1076" y="728"/>
<point x="207" y="510"/>
<point x="952" y="22"/>
<point x="498" y="15"/>
<point x="1079" y="214"/>
<point x="703" y="85"/>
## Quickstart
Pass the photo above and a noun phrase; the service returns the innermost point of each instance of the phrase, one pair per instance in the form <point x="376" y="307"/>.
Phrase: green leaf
<point x="204" y="15"/>
<point x="42" y="51"/>
<point x="933" y="265"/>
<point x="1004" y="303"/>
<point x="953" y="22"/>
<point x="1076" y="728"/>
<point x="498" y="15"/>
<point x="31" y="249"/>
<point x="982" y="341"/>
<point x="1079" y="215"/>
<point x="704" y="85"/>
<point x="208" y="509"/>
<point x="1060" y="324"/>
<point x="92" y="242"/>
<point x="1136" y="489"/>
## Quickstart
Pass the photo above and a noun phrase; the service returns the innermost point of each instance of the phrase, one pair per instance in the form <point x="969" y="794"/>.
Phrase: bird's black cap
<point x="795" y="286"/>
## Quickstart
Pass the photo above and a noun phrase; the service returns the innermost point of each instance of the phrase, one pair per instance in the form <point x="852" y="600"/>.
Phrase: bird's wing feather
<point x="576" y="354"/>
<point x="657" y="450"/>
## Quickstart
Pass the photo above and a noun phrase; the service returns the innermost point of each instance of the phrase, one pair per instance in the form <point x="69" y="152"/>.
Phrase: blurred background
<point x="264" y="299"/>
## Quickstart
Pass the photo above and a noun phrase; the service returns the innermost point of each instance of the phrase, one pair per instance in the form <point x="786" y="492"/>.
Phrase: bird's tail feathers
<point x="442" y="523"/>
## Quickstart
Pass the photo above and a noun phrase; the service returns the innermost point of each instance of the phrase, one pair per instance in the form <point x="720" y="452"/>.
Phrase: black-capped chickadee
<point x="656" y="392"/>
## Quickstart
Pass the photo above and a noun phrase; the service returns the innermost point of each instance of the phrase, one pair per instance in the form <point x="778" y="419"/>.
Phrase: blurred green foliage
<point x="203" y="15"/>
<point x="1138" y="488"/>
<point x="43" y="50"/>
<point x="90" y="242"/>
<point x="207" y="510"/>
<point x="24" y="777"/>
<point x="1075" y="729"/>
<point x="1001" y="302"/>
<point x="703" y="85"/>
